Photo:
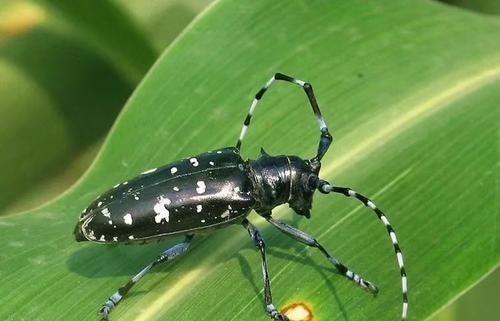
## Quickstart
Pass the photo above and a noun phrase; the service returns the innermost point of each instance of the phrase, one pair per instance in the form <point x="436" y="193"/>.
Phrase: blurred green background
<point x="67" y="69"/>
<point x="66" y="73"/>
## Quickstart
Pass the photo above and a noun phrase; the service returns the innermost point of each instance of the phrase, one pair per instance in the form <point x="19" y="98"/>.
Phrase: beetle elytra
<point x="215" y="189"/>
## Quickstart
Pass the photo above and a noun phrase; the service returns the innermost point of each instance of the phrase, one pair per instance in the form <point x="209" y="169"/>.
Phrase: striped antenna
<point x="325" y="188"/>
<point x="325" y="138"/>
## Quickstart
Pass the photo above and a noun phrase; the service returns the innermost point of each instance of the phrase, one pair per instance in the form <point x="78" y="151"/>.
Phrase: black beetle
<point x="215" y="189"/>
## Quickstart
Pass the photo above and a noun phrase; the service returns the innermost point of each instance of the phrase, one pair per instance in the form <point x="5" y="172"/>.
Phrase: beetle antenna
<point x="325" y="188"/>
<point x="325" y="138"/>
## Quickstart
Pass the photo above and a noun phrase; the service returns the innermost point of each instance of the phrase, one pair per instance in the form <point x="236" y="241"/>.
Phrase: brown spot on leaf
<point x="298" y="312"/>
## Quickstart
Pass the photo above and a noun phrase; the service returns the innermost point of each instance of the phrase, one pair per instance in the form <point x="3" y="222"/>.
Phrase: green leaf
<point x="163" y="20"/>
<point x="76" y="110"/>
<point x="482" y="6"/>
<point x="409" y="91"/>
<point x="478" y="303"/>
<point x="109" y="30"/>
<point x="53" y="108"/>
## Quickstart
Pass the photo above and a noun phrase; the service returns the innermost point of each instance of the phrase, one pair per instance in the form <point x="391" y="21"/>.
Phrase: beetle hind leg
<point x="166" y="256"/>
<point x="260" y="244"/>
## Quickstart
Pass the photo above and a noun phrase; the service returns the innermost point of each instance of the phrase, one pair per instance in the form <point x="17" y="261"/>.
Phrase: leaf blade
<point x="359" y="107"/>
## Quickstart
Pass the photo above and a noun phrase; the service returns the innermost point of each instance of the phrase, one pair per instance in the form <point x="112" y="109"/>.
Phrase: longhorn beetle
<point x="218" y="188"/>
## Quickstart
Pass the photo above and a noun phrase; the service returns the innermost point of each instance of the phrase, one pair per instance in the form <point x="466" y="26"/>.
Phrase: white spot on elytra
<point x="91" y="235"/>
<point x="175" y="188"/>
<point x="116" y="185"/>
<point x="203" y="221"/>
<point x="225" y="214"/>
<point x="136" y="197"/>
<point x="115" y="238"/>
<point x="161" y="211"/>
<point x="201" y="187"/>
<point x="173" y="170"/>
<point x="110" y="222"/>
<point x="194" y="161"/>
<point x="128" y="219"/>
<point x="99" y="204"/>
<point x="219" y="152"/>
<point x="351" y="192"/>
<point x="149" y="171"/>
<point x="102" y="239"/>
<point x="211" y="163"/>
<point x="105" y="212"/>
<point x="198" y="208"/>
<point x="131" y="237"/>
<point x="125" y="183"/>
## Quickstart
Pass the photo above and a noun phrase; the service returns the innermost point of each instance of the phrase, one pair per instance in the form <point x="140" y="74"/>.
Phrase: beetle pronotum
<point x="216" y="189"/>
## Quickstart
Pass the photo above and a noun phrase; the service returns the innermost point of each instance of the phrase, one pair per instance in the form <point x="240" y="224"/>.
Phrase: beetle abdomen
<point x="207" y="191"/>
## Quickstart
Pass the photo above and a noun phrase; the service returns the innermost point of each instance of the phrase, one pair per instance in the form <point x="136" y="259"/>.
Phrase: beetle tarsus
<point x="371" y="288"/>
<point x="274" y="314"/>
<point x="104" y="312"/>
<point x="109" y="305"/>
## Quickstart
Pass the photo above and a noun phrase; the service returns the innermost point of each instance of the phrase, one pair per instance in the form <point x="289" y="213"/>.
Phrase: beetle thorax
<point x="281" y="179"/>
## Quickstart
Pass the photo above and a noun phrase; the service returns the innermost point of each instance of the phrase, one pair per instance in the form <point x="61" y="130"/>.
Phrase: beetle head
<point x="304" y="181"/>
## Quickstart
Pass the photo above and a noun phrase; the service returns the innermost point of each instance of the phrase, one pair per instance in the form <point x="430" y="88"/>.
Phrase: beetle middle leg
<point x="310" y="241"/>
<point x="260" y="244"/>
<point x="168" y="255"/>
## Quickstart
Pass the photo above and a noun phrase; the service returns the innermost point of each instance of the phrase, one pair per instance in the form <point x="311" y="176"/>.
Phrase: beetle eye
<point x="312" y="182"/>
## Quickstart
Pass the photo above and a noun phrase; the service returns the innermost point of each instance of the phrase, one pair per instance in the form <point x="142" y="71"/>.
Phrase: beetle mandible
<point x="215" y="189"/>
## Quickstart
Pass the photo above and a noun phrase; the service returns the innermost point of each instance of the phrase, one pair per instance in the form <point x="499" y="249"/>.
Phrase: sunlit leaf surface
<point x="410" y="91"/>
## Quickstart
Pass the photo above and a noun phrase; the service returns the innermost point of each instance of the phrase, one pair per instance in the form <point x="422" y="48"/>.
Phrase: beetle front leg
<point x="310" y="241"/>
<point x="166" y="256"/>
<point x="261" y="245"/>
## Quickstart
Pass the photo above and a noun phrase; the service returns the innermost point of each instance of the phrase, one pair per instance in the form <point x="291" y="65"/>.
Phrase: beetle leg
<point x="166" y="256"/>
<point x="261" y="245"/>
<point x="310" y="241"/>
